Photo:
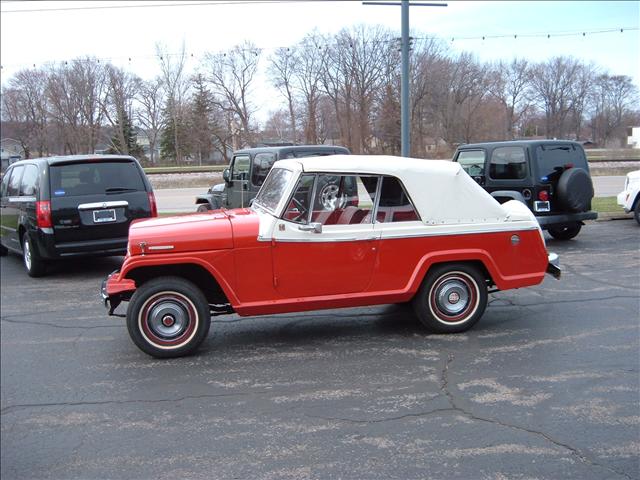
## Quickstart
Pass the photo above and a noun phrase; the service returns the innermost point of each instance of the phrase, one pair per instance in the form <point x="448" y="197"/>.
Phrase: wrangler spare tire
<point x="575" y="190"/>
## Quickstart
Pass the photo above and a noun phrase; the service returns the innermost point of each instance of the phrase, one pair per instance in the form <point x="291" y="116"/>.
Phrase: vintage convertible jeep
<point x="394" y="230"/>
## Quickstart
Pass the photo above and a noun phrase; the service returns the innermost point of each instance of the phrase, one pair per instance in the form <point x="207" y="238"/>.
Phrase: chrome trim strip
<point x="95" y="205"/>
<point x="161" y="247"/>
<point x="397" y="236"/>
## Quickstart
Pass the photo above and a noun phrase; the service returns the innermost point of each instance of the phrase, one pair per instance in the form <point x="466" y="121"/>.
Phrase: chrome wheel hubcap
<point x="452" y="297"/>
<point x="168" y="319"/>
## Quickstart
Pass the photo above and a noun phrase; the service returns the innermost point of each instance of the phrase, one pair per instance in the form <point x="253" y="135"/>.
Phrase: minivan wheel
<point x="35" y="266"/>
<point x="565" y="232"/>
<point x="452" y="298"/>
<point x="168" y="317"/>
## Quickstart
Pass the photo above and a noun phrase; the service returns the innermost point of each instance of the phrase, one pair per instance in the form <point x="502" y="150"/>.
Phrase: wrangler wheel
<point x="168" y="317"/>
<point x="452" y="298"/>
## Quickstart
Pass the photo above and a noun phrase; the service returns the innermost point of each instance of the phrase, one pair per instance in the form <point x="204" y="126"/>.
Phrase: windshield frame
<point x="273" y="209"/>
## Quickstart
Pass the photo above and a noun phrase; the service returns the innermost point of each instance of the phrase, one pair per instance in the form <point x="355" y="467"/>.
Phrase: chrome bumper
<point x="553" y="267"/>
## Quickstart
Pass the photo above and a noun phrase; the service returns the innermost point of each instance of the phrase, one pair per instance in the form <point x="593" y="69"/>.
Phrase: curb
<point x="605" y="217"/>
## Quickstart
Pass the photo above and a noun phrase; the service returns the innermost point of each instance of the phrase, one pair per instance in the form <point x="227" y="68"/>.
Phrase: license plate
<point x="102" y="216"/>
<point x="541" y="206"/>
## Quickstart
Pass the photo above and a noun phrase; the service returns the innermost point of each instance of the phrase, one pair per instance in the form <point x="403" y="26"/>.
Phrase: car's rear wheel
<point x="168" y="317"/>
<point x="452" y="298"/>
<point x="36" y="267"/>
<point x="565" y="232"/>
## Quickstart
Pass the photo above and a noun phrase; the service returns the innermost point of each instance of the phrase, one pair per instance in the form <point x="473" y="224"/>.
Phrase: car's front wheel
<point x="566" y="232"/>
<point x="168" y="317"/>
<point x="36" y="267"/>
<point x="204" y="207"/>
<point x="452" y="298"/>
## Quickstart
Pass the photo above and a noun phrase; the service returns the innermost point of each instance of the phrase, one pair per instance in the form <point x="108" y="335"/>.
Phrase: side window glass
<point x="472" y="162"/>
<point x="262" y="163"/>
<point x="29" y="179"/>
<point x="13" y="190"/>
<point x="299" y="207"/>
<point x="240" y="169"/>
<point x="5" y="184"/>
<point x="395" y="205"/>
<point x="508" y="163"/>
<point x="344" y="199"/>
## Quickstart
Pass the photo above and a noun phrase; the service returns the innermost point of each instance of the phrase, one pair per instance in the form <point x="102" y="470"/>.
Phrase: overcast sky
<point x="35" y="32"/>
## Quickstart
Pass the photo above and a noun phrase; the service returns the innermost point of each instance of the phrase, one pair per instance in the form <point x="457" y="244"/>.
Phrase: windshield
<point x="273" y="189"/>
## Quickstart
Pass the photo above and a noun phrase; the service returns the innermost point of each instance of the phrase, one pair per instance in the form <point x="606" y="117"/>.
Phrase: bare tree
<point x="75" y="94"/>
<point x="149" y="113"/>
<point x="281" y="70"/>
<point x="552" y="83"/>
<point x="231" y="76"/>
<point x="118" y="106"/>
<point x="614" y="100"/>
<point x="172" y="67"/>
<point x="509" y="85"/>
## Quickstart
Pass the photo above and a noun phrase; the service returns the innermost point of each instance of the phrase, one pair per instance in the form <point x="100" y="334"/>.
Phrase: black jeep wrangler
<point x="550" y="176"/>
<point x="248" y="170"/>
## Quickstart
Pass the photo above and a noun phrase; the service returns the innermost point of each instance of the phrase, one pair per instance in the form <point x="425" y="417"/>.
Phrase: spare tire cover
<point x="575" y="190"/>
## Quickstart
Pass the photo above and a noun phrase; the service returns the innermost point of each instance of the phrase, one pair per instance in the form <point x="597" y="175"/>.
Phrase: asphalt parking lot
<point x="546" y="386"/>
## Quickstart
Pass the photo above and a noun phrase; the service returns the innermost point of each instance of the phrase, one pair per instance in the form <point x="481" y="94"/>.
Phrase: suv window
<point x="240" y="167"/>
<point x="395" y="205"/>
<point x="13" y="190"/>
<point x="262" y="163"/>
<point x="552" y="156"/>
<point x="508" y="163"/>
<point x="95" y="177"/>
<point x="29" y="180"/>
<point x="472" y="161"/>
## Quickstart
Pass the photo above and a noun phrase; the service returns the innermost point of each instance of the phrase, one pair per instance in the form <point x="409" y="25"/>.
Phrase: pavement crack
<point x="444" y="386"/>
<point x="12" y="408"/>
<point x="55" y="325"/>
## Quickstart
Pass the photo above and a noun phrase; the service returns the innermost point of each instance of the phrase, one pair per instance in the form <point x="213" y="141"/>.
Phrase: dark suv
<point x="249" y="168"/>
<point x="75" y="205"/>
<point x="550" y="176"/>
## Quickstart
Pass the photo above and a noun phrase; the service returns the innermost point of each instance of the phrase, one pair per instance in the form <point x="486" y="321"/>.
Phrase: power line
<point x="157" y="5"/>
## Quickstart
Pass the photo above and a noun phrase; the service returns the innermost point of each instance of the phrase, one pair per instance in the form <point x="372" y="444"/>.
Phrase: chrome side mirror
<point x="312" y="227"/>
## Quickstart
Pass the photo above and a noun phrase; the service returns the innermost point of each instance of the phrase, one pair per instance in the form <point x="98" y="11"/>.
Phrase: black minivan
<point x="76" y="205"/>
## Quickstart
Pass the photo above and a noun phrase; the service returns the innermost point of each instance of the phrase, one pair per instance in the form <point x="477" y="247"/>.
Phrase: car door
<point x="238" y="192"/>
<point x="11" y="208"/>
<point x="325" y="247"/>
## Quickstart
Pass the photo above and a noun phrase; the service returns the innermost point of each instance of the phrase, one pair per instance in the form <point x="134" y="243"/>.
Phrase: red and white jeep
<point x="330" y="232"/>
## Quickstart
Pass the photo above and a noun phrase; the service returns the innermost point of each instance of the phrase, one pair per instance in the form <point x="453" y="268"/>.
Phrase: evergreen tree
<point x="127" y="132"/>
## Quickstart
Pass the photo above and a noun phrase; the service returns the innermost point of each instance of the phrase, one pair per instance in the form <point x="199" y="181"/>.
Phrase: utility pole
<point x="405" y="127"/>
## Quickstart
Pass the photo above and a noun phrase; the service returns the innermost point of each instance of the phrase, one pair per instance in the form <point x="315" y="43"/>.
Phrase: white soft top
<point x="440" y="190"/>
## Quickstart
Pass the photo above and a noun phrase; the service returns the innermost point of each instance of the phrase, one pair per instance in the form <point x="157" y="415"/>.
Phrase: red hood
<point x="185" y="233"/>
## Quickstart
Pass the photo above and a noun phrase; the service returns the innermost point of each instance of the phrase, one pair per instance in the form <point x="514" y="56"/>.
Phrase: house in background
<point x="10" y="151"/>
<point x="633" y="137"/>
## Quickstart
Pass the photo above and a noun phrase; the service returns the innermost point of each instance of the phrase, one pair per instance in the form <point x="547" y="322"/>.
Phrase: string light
<point x="257" y="50"/>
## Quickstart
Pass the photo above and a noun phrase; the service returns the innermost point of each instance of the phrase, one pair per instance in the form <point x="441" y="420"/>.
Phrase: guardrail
<point x="613" y="155"/>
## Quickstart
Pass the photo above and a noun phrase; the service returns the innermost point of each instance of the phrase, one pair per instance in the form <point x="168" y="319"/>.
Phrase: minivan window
<point x="95" y="177"/>
<point x="29" y="180"/>
<point x="262" y="163"/>
<point x="14" y="182"/>
<point x="4" y="185"/>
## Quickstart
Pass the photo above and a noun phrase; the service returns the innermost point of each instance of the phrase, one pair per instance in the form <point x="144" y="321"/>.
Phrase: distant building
<point x="10" y="151"/>
<point x="633" y="137"/>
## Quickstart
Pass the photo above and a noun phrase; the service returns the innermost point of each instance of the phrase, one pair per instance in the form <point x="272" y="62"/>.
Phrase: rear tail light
<point x="152" y="204"/>
<point x="43" y="214"/>
<point x="543" y="196"/>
